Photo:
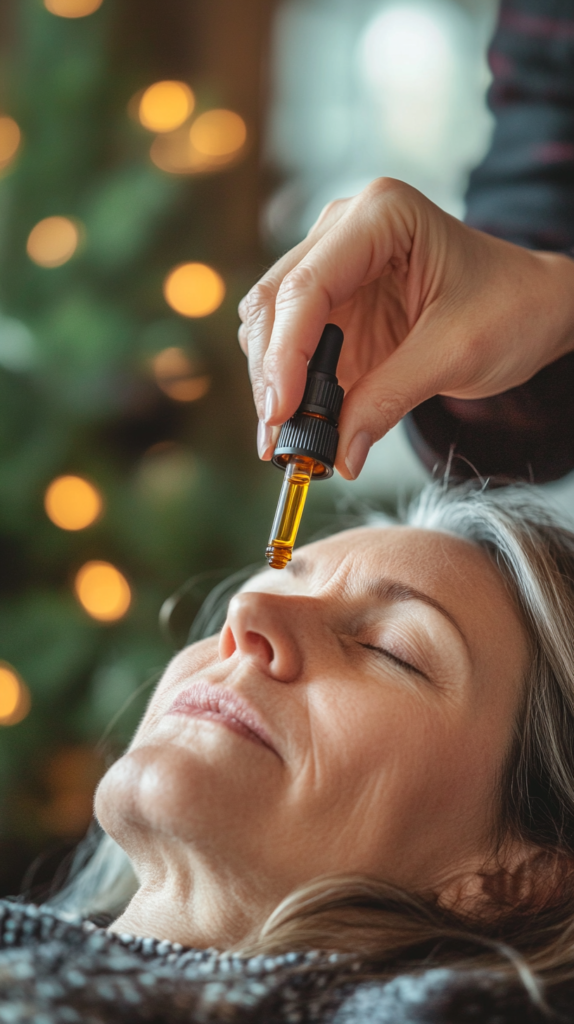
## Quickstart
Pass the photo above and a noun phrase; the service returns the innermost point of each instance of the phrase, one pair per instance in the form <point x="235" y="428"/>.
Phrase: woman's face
<point x="352" y="716"/>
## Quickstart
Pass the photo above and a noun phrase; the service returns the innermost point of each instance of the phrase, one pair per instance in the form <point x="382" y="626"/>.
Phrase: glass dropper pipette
<point x="307" y="445"/>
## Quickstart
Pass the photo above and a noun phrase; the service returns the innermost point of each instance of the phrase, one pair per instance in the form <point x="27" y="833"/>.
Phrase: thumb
<point x="418" y="369"/>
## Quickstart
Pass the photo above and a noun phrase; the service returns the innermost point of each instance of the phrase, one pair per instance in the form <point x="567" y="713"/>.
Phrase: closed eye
<point x="397" y="661"/>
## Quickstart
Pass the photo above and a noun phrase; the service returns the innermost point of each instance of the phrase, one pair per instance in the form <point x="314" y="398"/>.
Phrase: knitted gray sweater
<point x="55" y="970"/>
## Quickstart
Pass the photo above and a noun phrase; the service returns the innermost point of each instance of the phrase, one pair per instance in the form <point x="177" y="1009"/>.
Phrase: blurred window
<point x="364" y="88"/>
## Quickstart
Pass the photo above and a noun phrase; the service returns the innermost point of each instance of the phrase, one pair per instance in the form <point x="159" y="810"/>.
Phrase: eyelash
<point x="393" y="657"/>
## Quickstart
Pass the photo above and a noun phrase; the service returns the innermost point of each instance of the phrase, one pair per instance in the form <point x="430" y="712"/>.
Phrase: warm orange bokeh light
<point x="72" y="503"/>
<point x="10" y="138"/>
<point x="72" y="8"/>
<point x="171" y="362"/>
<point x="103" y="591"/>
<point x="165" y="106"/>
<point x="194" y="289"/>
<point x="214" y="142"/>
<point x="218" y="133"/>
<point x="188" y="390"/>
<point x="70" y="777"/>
<point x="174" y="153"/>
<point x="176" y="377"/>
<point x="14" y="695"/>
<point x="53" y="241"/>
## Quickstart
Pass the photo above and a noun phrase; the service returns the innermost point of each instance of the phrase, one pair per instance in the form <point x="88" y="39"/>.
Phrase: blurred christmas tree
<point x="112" y="371"/>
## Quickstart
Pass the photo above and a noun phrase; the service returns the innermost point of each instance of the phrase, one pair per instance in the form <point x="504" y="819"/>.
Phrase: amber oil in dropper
<point x="290" y="507"/>
<point x="307" y="445"/>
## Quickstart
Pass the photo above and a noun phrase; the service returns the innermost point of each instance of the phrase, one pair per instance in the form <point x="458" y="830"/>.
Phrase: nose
<point x="263" y="628"/>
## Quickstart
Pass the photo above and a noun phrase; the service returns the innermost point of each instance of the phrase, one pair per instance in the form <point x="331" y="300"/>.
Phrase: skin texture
<point x="428" y="306"/>
<point x="389" y="721"/>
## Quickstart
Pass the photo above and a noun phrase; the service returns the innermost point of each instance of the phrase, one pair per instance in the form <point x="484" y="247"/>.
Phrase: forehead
<point x="431" y="557"/>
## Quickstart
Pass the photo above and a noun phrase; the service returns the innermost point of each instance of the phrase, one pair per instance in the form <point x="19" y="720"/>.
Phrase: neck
<point x="196" y="910"/>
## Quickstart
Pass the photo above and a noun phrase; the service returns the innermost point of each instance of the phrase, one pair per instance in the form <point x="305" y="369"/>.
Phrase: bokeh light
<point x="70" y="777"/>
<point x="174" y="153"/>
<point x="188" y="390"/>
<point x="10" y="138"/>
<point x="72" y="8"/>
<point x="53" y="241"/>
<point x="194" y="289"/>
<point x="175" y="375"/>
<point x="165" y="106"/>
<point x="72" y="503"/>
<point x="166" y="472"/>
<point x="171" y="363"/>
<point x="215" y="140"/>
<point x="103" y="591"/>
<point x="14" y="695"/>
<point x="218" y="133"/>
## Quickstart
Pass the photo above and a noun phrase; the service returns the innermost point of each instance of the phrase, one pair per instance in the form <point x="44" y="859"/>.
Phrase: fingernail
<point x="264" y="432"/>
<point x="357" y="453"/>
<point x="270" y="403"/>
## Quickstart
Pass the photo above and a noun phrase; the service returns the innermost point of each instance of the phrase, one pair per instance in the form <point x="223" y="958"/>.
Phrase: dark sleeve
<point x="522" y="192"/>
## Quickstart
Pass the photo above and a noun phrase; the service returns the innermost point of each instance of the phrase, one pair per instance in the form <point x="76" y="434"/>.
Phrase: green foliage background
<point x="76" y="396"/>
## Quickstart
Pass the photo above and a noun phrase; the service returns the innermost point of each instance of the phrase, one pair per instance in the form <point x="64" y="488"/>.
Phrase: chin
<point x="202" y="796"/>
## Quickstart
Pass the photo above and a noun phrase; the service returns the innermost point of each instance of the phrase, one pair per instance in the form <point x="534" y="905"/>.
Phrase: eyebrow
<point x="392" y="590"/>
<point x="385" y="589"/>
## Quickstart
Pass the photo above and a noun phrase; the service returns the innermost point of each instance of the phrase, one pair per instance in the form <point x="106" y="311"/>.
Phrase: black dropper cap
<point x="312" y="431"/>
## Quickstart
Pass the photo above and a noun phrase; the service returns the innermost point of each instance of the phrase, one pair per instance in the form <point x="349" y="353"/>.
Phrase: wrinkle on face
<point x="389" y="673"/>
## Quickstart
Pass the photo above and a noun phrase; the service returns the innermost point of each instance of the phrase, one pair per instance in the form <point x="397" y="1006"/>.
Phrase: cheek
<point x="390" y="729"/>
<point x="394" y="766"/>
<point x="183" y="666"/>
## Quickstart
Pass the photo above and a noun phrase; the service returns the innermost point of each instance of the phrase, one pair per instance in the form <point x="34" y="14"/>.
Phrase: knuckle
<point x="243" y="339"/>
<point x="257" y="299"/>
<point x="389" y="409"/>
<point x="332" y="207"/>
<point x="327" y="213"/>
<point x="242" y="307"/>
<point x="298" y="280"/>
<point x="385" y="189"/>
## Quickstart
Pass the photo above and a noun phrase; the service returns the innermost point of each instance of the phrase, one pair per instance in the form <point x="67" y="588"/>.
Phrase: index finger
<point x="257" y="308"/>
<point x="352" y="253"/>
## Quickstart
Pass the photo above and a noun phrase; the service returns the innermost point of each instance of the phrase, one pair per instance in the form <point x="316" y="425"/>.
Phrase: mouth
<point x="219" y="704"/>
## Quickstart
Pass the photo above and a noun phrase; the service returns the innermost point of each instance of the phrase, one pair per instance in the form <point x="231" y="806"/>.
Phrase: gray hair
<point x="533" y="551"/>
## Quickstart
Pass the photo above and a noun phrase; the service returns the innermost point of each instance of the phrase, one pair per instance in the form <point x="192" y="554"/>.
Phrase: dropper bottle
<point x="307" y="445"/>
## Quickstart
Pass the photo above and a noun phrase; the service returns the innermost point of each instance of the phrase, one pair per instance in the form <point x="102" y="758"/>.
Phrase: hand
<point x="427" y="305"/>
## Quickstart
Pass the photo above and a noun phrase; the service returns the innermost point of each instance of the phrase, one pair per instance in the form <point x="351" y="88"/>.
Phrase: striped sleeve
<point x="522" y="192"/>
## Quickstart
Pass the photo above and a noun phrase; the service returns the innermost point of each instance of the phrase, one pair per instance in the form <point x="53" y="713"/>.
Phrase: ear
<point x="527" y="877"/>
<point x="520" y="878"/>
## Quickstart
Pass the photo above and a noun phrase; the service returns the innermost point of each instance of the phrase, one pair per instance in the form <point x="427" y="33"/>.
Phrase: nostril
<point x="261" y="645"/>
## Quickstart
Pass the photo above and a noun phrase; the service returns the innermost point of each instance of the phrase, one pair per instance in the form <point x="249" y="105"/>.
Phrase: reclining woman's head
<point x="375" y="752"/>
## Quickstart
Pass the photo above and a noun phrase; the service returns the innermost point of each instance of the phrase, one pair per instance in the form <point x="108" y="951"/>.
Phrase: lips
<point x="219" y="704"/>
